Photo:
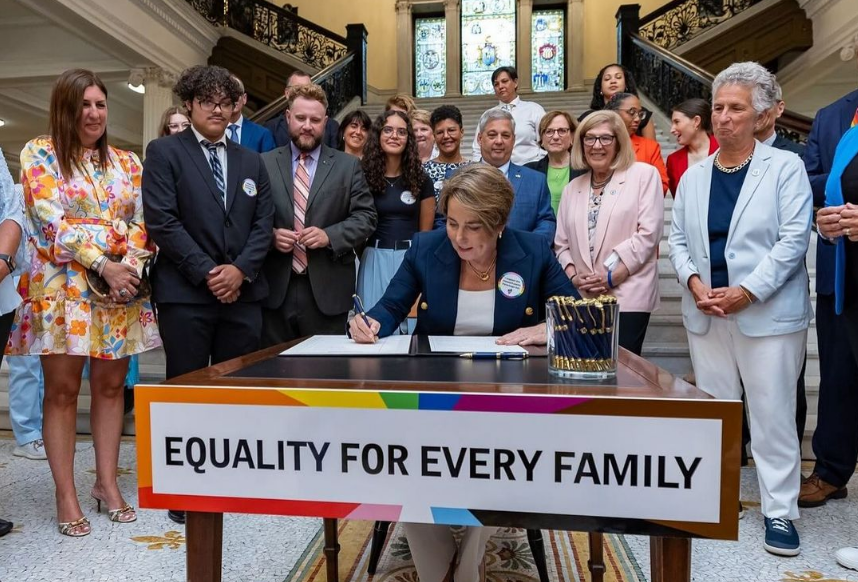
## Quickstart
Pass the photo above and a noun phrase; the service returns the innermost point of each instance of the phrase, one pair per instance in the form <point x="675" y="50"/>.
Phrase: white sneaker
<point x="34" y="450"/>
<point x="847" y="557"/>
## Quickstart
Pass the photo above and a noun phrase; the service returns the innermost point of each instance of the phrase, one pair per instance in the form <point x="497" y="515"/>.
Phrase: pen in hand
<point x="360" y="311"/>
<point x="494" y="356"/>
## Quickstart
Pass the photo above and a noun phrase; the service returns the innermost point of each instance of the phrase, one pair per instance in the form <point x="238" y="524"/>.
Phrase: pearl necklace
<point x="734" y="169"/>
<point x="483" y="275"/>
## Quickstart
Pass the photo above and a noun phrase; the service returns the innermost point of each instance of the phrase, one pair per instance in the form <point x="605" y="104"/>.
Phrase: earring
<point x="500" y="235"/>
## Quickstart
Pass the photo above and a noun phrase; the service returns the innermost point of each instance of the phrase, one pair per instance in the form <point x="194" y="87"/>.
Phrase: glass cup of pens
<point x="582" y="337"/>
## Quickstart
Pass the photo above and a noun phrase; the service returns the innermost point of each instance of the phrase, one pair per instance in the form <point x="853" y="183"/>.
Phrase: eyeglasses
<point x="399" y="131"/>
<point x="604" y="140"/>
<point x="559" y="131"/>
<point x="208" y="105"/>
<point x="179" y="126"/>
<point x="633" y="113"/>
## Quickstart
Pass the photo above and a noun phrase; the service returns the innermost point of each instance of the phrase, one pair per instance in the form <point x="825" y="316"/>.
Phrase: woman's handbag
<point x="101" y="289"/>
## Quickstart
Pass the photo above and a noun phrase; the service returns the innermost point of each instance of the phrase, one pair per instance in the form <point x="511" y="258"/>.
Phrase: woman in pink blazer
<point x="609" y="224"/>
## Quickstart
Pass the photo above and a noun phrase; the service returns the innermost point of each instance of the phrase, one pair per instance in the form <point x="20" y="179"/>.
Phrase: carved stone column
<point x="523" y="48"/>
<point x="575" y="50"/>
<point x="405" y="48"/>
<point x="158" y="97"/>
<point x="452" y="18"/>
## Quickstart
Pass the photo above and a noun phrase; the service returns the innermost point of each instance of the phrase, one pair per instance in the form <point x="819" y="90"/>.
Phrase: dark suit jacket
<point x="277" y="126"/>
<point x="783" y="143"/>
<point x="341" y="204"/>
<point x="186" y="218"/>
<point x="431" y="268"/>
<point x="828" y="127"/>
<point x="531" y="209"/>
<point x="256" y="137"/>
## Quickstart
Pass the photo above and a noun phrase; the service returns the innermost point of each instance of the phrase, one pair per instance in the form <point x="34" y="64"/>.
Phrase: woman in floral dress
<point x="83" y="203"/>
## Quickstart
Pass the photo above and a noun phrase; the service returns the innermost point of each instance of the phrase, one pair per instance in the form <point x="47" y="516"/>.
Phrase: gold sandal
<point x="125" y="514"/>
<point x="73" y="529"/>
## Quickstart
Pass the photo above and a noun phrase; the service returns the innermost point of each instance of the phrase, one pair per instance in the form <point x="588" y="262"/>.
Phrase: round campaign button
<point x="407" y="197"/>
<point x="511" y="285"/>
<point x="249" y="187"/>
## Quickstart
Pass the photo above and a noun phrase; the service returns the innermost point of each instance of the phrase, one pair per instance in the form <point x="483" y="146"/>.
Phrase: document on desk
<point x="340" y="345"/>
<point x="462" y="344"/>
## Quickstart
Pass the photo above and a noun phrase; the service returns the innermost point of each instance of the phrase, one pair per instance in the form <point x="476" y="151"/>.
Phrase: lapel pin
<point x="755" y="172"/>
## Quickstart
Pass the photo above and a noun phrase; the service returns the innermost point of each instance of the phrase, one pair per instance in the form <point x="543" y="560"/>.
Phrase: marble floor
<point x="264" y="549"/>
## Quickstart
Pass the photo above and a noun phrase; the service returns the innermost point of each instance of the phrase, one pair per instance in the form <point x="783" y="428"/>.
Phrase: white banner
<point x="563" y="464"/>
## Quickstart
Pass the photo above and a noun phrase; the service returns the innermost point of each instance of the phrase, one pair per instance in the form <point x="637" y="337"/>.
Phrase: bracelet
<point x="99" y="264"/>
<point x="746" y="294"/>
<point x="610" y="281"/>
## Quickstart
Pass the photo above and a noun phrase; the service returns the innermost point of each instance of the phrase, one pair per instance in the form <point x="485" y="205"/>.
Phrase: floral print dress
<point x="71" y="223"/>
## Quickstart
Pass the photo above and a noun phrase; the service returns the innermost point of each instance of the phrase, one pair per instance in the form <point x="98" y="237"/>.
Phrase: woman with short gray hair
<point x="741" y="227"/>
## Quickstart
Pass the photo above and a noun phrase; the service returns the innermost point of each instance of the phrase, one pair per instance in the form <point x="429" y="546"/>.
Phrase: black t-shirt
<point x="399" y="209"/>
<point x="849" y="186"/>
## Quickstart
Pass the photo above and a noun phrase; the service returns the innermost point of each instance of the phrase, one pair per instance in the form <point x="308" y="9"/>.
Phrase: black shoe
<point x="5" y="527"/>
<point x="176" y="515"/>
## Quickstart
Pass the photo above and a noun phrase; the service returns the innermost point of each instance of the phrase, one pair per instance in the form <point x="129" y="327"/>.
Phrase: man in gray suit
<point x="323" y="210"/>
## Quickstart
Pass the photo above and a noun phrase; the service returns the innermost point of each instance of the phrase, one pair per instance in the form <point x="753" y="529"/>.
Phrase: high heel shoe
<point x="75" y="529"/>
<point x="125" y="514"/>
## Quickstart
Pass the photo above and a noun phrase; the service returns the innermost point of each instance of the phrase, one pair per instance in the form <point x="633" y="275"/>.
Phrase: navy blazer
<point x="531" y="210"/>
<point x="431" y="268"/>
<point x="256" y="137"/>
<point x="828" y="127"/>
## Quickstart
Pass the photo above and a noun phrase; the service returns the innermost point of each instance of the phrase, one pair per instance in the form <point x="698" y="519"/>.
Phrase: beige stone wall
<point x="379" y="17"/>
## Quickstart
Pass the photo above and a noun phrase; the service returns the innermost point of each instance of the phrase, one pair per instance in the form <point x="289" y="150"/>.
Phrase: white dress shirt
<point x="221" y="152"/>
<point x="527" y="116"/>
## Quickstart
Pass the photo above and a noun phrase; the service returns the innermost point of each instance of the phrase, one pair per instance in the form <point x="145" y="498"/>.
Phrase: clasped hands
<point x="225" y="282"/>
<point x="123" y="281"/>
<point x="594" y="284"/>
<point x="837" y="221"/>
<point x="719" y="302"/>
<point x="312" y="237"/>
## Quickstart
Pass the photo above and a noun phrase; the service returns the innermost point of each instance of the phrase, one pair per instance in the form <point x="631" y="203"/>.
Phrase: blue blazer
<point x="531" y="210"/>
<point x="828" y="127"/>
<point x="256" y="137"/>
<point x="846" y="151"/>
<point x="431" y="268"/>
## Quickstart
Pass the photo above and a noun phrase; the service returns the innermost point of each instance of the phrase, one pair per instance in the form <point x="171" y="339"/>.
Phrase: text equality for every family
<point x="439" y="461"/>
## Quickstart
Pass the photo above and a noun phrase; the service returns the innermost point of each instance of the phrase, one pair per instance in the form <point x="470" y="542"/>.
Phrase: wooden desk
<point x="640" y="391"/>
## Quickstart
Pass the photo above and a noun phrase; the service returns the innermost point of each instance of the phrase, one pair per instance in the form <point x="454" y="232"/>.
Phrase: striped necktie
<point x="301" y="194"/>
<point x="217" y="169"/>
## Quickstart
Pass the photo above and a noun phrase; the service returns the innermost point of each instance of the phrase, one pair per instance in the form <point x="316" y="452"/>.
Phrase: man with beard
<point x="207" y="206"/>
<point x="323" y="210"/>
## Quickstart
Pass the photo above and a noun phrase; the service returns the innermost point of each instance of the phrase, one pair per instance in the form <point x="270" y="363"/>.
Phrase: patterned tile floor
<point x="264" y="549"/>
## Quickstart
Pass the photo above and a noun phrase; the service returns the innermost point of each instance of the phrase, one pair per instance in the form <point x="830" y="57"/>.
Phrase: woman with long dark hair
<point x="613" y="79"/>
<point x="82" y="293"/>
<point x="403" y="198"/>
<point x="351" y="138"/>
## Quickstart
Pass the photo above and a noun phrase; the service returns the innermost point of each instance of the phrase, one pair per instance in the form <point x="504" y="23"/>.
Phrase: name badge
<point x="249" y="187"/>
<point x="407" y="197"/>
<point x="511" y="285"/>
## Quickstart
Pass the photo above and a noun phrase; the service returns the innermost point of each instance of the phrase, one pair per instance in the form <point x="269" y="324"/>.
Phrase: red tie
<point x="301" y="194"/>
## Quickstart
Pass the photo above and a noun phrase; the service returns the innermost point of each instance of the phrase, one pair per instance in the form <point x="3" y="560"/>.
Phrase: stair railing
<point x="667" y="79"/>
<point x="677" y="22"/>
<point x="342" y="60"/>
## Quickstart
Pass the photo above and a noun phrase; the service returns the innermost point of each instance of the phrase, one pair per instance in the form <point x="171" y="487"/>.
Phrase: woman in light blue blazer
<point x="741" y="227"/>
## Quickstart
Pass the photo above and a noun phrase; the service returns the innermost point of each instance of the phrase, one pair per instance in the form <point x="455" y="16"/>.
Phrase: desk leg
<point x="204" y="537"/>
<point x="671" y="559"/>
<point x="596" y="563"/>
<point x="332" y="549"/>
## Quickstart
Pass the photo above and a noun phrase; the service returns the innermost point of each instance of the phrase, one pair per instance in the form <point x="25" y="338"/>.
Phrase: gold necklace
<point x="483" y="275"/>
<point x="734" y="169"/>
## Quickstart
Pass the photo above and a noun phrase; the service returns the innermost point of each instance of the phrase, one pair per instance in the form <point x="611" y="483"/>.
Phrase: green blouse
<point x="557" y="180"/>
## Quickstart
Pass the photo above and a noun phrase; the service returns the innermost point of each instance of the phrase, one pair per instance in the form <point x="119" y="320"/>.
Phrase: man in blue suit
<point x="835" y="441"/>
<point x="243" y="131"/>
<point x="531" y="210"/>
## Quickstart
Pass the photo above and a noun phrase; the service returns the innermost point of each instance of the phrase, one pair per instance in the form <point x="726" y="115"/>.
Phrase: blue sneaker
<point x="781" y="537"/>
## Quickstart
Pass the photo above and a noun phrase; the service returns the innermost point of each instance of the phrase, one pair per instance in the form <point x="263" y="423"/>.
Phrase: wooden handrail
<point x="686" y="67"/>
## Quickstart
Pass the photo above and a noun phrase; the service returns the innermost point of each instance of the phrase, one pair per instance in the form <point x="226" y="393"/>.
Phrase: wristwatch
<point x="9" y="260"/>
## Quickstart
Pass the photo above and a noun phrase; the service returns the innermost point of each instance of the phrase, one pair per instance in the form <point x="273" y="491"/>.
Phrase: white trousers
<point x="433" y="548"/>
<point x="724" y="359"/>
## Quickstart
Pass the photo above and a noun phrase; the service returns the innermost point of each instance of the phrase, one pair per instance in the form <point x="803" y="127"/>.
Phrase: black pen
<point x="360" y="311"/>
<point x="494" y="355"/>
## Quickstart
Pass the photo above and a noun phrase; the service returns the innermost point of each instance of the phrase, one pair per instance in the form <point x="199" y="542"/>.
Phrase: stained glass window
<point x="547" y="50"/>
<point x="430" y="57"/>
<point x="488" y="42"/>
